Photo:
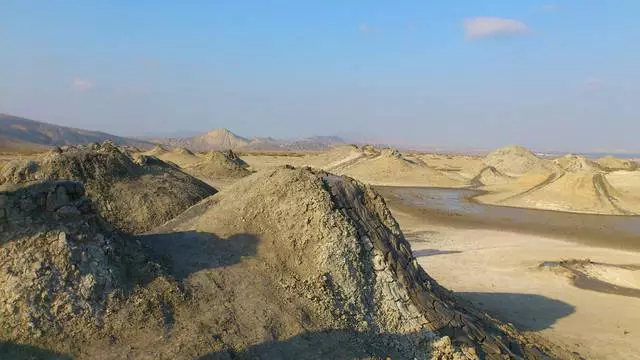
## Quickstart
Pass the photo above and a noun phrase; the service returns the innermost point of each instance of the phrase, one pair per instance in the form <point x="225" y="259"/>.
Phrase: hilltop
<point x="224" y="139"/>
<point x="22" y="134"/>
<point x="135" y="193"/>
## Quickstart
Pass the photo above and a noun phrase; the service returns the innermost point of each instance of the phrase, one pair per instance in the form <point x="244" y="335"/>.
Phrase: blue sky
<point x="550" y="75"/>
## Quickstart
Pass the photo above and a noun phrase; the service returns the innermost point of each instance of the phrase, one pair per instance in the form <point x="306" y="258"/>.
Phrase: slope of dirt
<point x="338" y="156"/>
<point x="516" y="161"/>
<point x="383" y="167"/>
<point x="179" y="156"/>
<point x="64" y="271"/>
<point x="219" y="165"/>
<point x="218" y="139"/>
<point x="611" y="163"/>
<point x="390" y="167"/>
<point x="576" y="163"/>
<point x="491" y="176"/>
<point x="324" y="256"/>
<point x="465" y="165"/>
<point x="156" y="151"/>
<point x="288" y="263"/>
<point x="585" y="192"/>
<point x="21" y="134"/>
<point x="134" y="194"/>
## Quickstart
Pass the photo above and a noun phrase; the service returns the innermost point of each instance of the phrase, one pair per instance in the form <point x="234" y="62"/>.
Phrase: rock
<point x="68" y="211"/>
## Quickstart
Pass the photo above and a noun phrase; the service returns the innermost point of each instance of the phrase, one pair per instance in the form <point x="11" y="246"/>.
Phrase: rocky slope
<point x="516" y="161"/>
<point x="219" y="165"/>
<point x="287" y="263"/>
<point x="63" y="270"/>
<point x="135" y="194"/>
<point x="611" y="163"/>
<point x="23" y="134"/>
<point x="326" y="272"/>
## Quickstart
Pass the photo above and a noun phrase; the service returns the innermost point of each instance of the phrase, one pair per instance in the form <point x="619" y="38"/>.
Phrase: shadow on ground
<point x="331" y="344"/>
<point x="420" y="236"/>
<point x="188" y="252"/>
<point x="28" y="352"/>
<point x="433" y="252"/>
<point x="527" y="311"/>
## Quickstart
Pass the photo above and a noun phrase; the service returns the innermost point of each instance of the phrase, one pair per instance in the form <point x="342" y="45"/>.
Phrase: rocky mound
<point x="391" y="152"/>
<point x="179" y="156"/>
<point x="157" y="151"/>
<point x="390" y="167"/>
<point x="289" y="263"/>
<point x="133" y="195"/>
<point x="182" y="151"/>
<point x="576" y="163"/>
<point x="226" y="156"/>
<point x="583" y="192"/>
<point x="219" y="165"/>
<point x="313" y="264"/>
<point x="490" y="176"/>
<point x="63" y="269"/>
<point x="611" y="163"/>
<point x="516" y="160"/>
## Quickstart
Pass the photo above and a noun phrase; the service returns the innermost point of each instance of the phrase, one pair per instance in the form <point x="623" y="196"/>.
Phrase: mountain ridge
<point x="19" y="133"/>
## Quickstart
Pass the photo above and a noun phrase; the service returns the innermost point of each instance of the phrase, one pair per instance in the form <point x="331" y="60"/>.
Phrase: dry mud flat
<point x="588" y="306"/>
<point x="510" y="176"/>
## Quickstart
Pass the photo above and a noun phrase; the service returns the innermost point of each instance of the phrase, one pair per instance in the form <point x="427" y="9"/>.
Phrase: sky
<point x="559" y="75"/>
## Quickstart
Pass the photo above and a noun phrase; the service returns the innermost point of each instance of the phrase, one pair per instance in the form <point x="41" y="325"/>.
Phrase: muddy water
<point x="456" y="207"/>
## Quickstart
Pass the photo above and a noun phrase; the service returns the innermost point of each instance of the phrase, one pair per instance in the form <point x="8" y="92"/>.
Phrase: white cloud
<point x="550" y="7"/>
<point x="82" y="84"/>
<point x="483" y="27"/>
<point x="593" y="83"/>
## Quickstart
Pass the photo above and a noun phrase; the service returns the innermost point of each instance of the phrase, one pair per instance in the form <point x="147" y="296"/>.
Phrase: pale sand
<point x="499" y="272"/>
<point x="510" y="176"/>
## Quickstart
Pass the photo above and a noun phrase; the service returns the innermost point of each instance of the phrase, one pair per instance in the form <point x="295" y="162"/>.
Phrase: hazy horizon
<point x="559" y="76"/>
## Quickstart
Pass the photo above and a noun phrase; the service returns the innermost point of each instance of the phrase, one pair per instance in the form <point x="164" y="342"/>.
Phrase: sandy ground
<point x="499" y="271"/>
<point x="510" y="176"/>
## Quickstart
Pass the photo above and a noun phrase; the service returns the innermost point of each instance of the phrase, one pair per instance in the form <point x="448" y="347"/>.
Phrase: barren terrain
<point x="519" y="278"/>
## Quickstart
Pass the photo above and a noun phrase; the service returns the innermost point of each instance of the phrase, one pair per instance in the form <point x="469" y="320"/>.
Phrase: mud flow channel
<point x="457" y="207"/>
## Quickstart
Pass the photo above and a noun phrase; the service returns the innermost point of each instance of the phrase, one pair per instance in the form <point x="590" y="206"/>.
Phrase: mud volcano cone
<point x="134" y="195"/>
<point x="316" y="264"/>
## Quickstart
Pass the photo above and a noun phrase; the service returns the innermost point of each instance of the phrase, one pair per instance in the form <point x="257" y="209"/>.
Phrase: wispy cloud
<point x="367" y="29"/>
<point x="82" y="84"/>
<point x="593" y="83"/>
<point x="484" y="27"/>
<point x="550" y="7"/>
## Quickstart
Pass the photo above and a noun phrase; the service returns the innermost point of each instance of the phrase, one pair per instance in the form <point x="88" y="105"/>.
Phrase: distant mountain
<point x="18" y="133"/>
<point x="223" y="139"/>
<point x="218" y="139"/>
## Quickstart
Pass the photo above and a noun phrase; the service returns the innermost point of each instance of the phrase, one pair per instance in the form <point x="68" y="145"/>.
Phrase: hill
<point x="515" y="161"/>
<point x="223" y="139"/>
<point x="218" y="139"/>
<point x="134" y="193"/>
<point x="22" y="134"/>
<point x="287" y="263"/>
<point x="611" y="163"/>
<point x="577" y="163"/>
<point x="388" y="167"/>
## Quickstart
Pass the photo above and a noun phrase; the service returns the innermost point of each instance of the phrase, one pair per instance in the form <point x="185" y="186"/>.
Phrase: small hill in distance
<point x="224" y="139"/>
<point x="20" y="134"/>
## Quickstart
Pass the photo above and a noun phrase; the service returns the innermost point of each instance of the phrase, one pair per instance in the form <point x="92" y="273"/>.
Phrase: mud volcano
<point x="134" y="194"/>
<point x="285" y="264"/>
